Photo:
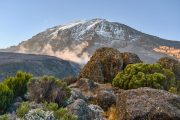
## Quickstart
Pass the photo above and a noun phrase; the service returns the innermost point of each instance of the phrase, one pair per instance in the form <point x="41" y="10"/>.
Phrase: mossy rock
<point x="103" y="65"/>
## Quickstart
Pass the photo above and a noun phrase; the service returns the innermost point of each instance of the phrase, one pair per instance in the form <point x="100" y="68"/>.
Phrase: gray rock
<point x="147" y="104"/>
<point x="76" y="94"/>
<point x="18" y="99"/>
<point x="106" y="98"/>
<point x="83" y="111"/>
<point x="98" y="111"/>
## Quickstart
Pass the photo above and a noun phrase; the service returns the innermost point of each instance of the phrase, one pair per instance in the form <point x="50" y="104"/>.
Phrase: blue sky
<point x="21" y="19"/>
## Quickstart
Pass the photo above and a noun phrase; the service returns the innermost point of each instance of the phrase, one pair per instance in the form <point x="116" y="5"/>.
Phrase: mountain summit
<point x="77" y="41"/>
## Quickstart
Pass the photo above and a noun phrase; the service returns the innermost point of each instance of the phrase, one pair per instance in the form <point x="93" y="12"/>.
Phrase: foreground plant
<point x="48" y="89"/>
<point x="18" y="84"/>
<point x="6" y="97"/>
<point x="144" y="75"/>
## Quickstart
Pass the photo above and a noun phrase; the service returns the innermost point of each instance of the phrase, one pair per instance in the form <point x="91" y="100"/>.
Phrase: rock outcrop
<point x="172" y="64"/>
<point x="103" y="65"/>
<point x="106" y="63"/>
<point x="130" y="58"/>
<point x="147" y="104"/>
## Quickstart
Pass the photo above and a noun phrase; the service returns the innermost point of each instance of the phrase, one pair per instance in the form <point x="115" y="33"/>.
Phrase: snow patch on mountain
<point x="64" y="27"/>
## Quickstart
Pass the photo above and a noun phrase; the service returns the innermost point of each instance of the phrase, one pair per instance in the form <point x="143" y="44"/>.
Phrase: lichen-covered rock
<point x="84" y="111"/>
<point x="130" y="58"/>
<point x="103" y="65"/>
<point x="106" y="98"/>
<point x="147" y="104"/>
<point x="172" y="64"/>
<point x="76" y="94"/>
<point x="98" y="111"/>
<point x="86" y="84"/>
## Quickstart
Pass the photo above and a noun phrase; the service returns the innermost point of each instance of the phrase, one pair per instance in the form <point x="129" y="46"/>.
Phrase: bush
<point x="23" y="109"/>
<point x="4" y="117"/>
<point x="51" y="106"/>
<point x="173" y="90"/>
<point x="48" y="89"/>
<point x="6" y="97"/>
<point x="18" y="84"/>
<point x="39" y="114"/>
<point x="144" y="75"/>
<point x="63" y="114"/>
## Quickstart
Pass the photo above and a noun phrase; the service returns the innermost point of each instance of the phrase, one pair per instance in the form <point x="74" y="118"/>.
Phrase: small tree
<point x="18" y="84"/>
<point x="6" y="96"/>
<point x="144" y="75"/>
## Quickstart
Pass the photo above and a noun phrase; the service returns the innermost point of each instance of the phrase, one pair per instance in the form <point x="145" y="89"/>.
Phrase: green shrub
<point x="173" y="90"/>
<point x="63" y="114"/>
<point x="4" y="117"/>
<point x="48" y="89"/>
<point x="6" y="96"/>
<point x="144" y="75"/>
<point x="23" y="109"/>
<point x="51" y="106"/>
<point x="18" y="84"/>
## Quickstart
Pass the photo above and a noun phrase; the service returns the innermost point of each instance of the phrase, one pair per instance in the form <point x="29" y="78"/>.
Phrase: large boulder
<point x="147" y="104"/>
<point x="130" y="58"/>
<point x="103" y="65"/>
<point x="85" y="111"/>
<point x="172" y="64"/>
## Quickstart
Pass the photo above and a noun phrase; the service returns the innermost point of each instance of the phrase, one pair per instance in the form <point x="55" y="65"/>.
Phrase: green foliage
<point x="6" y="96"/>
<point x="51" y="106"/>
<point x="4" y="117"/>
<point x="63" y="114"/>
<point x="173" y="90"/>
<point x="23" y="109"/>
<point x="144" y="75"/>
<point x="18" y="84"/>
<point x="48" y="89"/>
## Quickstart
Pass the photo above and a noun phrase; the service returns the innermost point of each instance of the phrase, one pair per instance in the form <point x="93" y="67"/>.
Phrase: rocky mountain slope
<point x="77" y="41"/>
<point x="38" y="65"/>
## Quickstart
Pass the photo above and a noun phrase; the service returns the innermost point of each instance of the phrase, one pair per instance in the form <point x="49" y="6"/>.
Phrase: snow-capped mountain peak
<point x="76" y="41"/>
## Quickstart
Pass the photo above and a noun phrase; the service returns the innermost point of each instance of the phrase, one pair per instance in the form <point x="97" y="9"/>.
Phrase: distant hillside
<point x="38" y="65"/>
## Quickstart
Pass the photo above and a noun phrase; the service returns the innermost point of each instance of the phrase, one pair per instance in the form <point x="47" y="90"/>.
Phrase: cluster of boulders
<point x="136" y="104"/>
<point x="106" y="63"/>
